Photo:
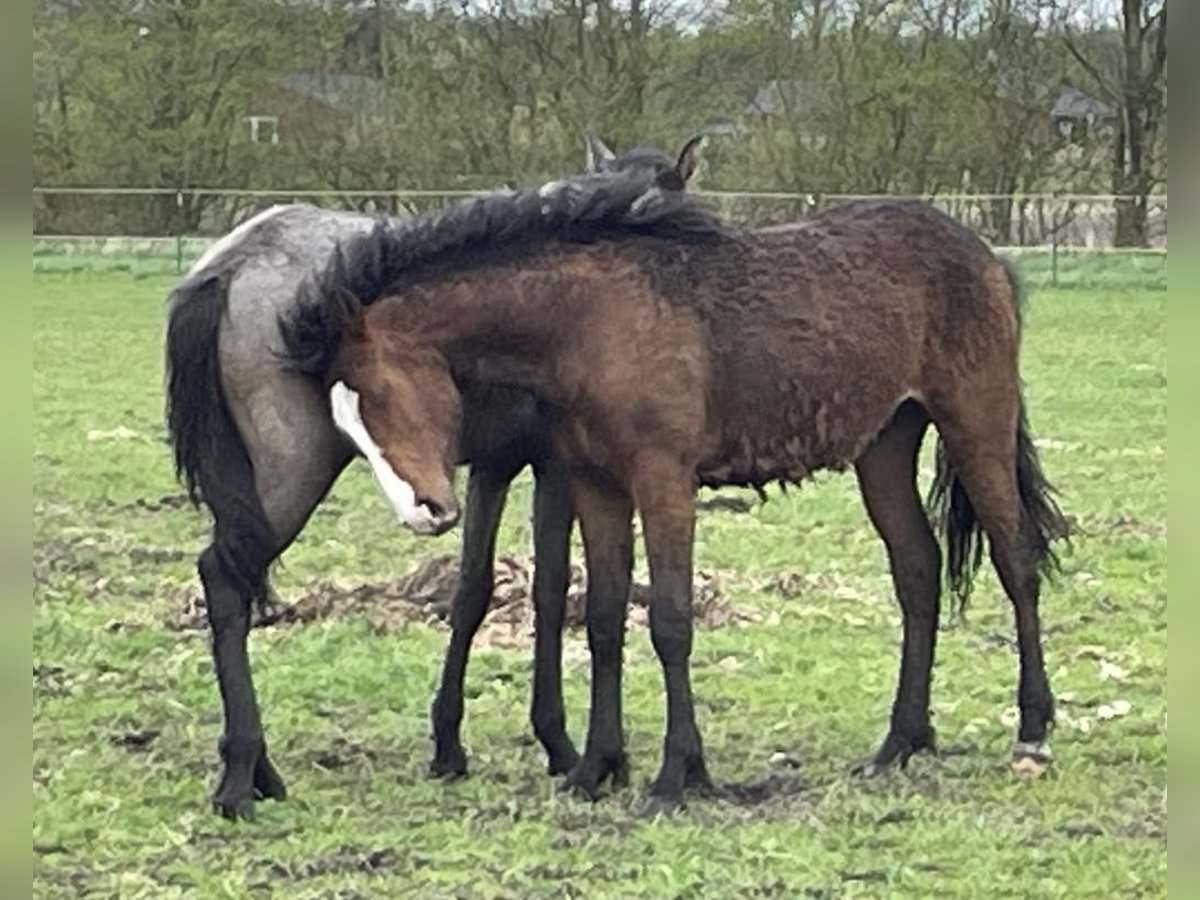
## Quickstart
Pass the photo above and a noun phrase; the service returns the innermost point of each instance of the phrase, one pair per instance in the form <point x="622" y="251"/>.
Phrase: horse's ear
<point x="597" y="153"/>
<point x="686" y="165"/>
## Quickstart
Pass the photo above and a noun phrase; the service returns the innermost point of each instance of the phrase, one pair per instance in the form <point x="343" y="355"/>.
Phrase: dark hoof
<point x="247" y="776"/>
<point x="579" y="790"/>
<point x="268" y="785"/>
<point x="660" y="805"/>
<point x="449" y="765"/>
<point x="562" y="761"/>
<point x="894" y="754"/>
<point x="698" y="781"/>
<point x="233" y="805"/>
<point x="586" y="778"/>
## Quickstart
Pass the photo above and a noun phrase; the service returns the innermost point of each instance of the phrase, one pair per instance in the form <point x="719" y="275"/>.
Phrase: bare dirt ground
<point x="427" y="593"/>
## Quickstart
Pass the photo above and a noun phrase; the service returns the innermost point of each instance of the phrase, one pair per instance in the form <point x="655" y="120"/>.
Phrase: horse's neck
<point x="497" y="330"/>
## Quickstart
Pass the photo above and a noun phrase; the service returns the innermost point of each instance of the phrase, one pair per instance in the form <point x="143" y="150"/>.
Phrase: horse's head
<point x="668" y="175"/>
<point x="397" y="402"/>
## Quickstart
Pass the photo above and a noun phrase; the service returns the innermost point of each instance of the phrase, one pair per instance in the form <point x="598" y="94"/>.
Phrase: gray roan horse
<point x="257" y="445"/>
<point x="677" y="351"/>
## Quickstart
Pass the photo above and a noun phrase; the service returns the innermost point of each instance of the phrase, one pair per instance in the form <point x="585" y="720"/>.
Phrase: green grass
<point x="813" y="679"/>
<point x="146" y="258"/>
<point x="1082" y="268"/>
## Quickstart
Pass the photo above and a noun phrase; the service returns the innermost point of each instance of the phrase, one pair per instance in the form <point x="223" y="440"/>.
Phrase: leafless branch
<point x="1105" y="86"/>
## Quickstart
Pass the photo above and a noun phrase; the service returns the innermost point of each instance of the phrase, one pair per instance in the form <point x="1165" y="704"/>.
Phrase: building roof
<point x="354" y="95"/>
<point x="779" y="95"/>
<point x="1073" y="103"/>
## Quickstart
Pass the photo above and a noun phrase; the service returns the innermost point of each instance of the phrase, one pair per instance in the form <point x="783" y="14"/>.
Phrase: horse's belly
<point x="794" y="441"/>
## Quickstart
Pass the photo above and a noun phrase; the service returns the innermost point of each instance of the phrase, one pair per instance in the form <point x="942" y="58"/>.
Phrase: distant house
<point x="780" y="97"/>
<point x="313" y="103"/>
<point x="1076" y="113"/>
<point x="799" y="99"/>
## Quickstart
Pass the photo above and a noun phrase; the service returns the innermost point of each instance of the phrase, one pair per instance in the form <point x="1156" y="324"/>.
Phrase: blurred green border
<point x="1183" y="515"/>
<point x="15" y="407"/>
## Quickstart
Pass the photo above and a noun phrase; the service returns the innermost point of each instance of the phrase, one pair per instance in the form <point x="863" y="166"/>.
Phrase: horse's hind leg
<point x="887" y="478"/>
<point x="982" y="444"/>
<point x="552" y="518"/>
<point x="606" y="522"/>
<point x="247" y="773"/>
<point x="291" y="473"/>
<point x="487" y="489"/>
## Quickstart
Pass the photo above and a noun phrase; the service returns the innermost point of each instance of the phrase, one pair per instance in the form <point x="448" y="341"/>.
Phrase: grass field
<point x="126" y="712"/>
<point x="142" y="258"/>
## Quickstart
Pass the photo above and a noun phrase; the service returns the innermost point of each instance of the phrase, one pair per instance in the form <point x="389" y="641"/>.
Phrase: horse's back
<point x="819" y="331"/>
<point x="282" y="416"/>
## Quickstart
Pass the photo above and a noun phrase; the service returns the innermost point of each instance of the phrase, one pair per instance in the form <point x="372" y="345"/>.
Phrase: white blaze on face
<point x="343" y="401"/>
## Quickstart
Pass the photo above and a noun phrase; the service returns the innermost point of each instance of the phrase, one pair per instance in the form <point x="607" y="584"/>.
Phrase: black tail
<point x="954" y="516"/>
<point x="210" y="455"/>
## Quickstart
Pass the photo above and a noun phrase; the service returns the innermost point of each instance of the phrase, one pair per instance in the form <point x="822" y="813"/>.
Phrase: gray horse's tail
<point x="210" y="455"/>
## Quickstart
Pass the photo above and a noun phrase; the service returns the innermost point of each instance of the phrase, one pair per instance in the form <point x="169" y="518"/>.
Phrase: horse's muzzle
<point x="434" y="517"/>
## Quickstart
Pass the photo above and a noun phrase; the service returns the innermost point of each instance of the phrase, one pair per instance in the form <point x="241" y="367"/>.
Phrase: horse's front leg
<point x="605" y="519"/>
<point x="487" y="490"/>
<point x="552" y="519"/>
<point x="665" y="498"/>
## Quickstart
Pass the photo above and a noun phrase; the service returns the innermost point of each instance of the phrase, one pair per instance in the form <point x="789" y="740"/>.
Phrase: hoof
<point x="577" y="791"/>
<point x="1030" y="759"/>
<point x="268" y="785"/>
<point x="243" y="782"/>
<point x="562" y="762"/>
<point x="234" y="806"/>
<point x="585" y="779"/>
<point x="893" y="754"/>
<point x="449" y="766"/>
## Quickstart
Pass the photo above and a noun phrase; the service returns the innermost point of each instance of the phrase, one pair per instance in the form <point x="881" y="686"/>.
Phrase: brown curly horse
<point x="256" y="444"/>
<point x="673" y="351"/>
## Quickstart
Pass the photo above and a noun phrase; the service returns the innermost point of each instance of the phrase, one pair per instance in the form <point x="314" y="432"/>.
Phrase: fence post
<point x="1054" y="261"/>
<point x="179" y="235"/>
<point x="1054" y="229"/>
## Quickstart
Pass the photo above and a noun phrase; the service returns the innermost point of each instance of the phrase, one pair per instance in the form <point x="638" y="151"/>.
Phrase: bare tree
<point x="1136" y="86"/>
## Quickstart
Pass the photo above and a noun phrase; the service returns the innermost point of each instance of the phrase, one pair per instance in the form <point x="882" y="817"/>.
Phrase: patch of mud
<point x="1150" y="827"/>
<point x="343" y="753"/>
<point x="722" y="503"/>
<point x="344" y="860"/>
<point x="74" y="556"/>
<point x="775" y="797"/>
<point x="425" y="595"/>
<point x="772" y="789"/>
<point x="85" y="558"/>
<point x="156" y="504"/>
<point x="1080" y="829"/>
<point x="791" y="584"/>
<point x="1122" y="526"/>
<point x="52" y="681"/>
<point x="137" y="741"/>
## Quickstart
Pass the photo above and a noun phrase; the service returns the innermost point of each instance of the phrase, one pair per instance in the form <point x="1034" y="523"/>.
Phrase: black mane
<point x="492" y="228"/>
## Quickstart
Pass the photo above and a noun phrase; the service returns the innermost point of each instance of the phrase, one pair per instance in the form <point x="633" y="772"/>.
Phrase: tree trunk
<point x="1138" y="97"/>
